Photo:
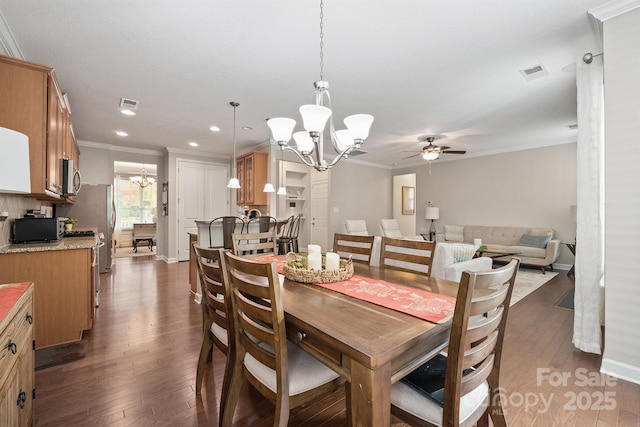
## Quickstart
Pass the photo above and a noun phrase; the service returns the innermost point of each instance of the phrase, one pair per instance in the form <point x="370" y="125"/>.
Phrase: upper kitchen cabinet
<point x="32" y="103"/>
<point x="252" y="174"/>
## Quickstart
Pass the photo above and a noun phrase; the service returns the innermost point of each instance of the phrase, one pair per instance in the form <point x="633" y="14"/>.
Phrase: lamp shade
<point x="268" y="188"/>
<point x="15" y="175"/>
<point x="303" y="141"/>
<point x="281" y="128"/>
<point x="282" y="191"/>
<point x="314" y="117"/>
<point x="359" y="125"/>
<point x="430" y="155"/>
<point x="233" y="183"/>
<point x="432" y="213"/>
<point x="343" y="139"/>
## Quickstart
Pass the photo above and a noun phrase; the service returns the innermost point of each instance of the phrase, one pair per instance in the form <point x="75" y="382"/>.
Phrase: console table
<point x="572" y="247"/>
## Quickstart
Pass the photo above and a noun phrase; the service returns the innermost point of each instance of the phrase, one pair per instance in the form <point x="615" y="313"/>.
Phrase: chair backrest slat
<point x="253" y="243"/>
<point x="415" y="256"/>
<point x="348" y="244"/>
<point x="230" y="225"/>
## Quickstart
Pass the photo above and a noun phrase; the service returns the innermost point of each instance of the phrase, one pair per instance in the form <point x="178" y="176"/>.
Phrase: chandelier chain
<point x="321" y="40"/>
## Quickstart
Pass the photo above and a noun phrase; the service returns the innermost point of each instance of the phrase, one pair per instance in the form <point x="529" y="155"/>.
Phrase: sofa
<point x="535" y="247"/>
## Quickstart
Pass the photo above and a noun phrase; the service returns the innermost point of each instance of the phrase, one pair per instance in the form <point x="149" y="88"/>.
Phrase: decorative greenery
<point x="70" y="221"/>
<point x="482" y="248"/>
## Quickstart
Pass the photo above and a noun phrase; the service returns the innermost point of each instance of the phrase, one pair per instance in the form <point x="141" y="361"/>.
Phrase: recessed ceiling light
<point x="128" y="112"/>
<point x="121" y="133"/>
<point x="193" y="144"/>
<point x="214" y="129"/>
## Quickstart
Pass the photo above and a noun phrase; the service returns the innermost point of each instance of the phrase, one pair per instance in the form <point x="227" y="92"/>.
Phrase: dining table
<point x="371" y="346"/>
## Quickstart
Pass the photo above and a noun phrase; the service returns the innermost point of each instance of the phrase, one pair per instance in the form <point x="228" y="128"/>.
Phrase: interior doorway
<point x="135" y="196"/>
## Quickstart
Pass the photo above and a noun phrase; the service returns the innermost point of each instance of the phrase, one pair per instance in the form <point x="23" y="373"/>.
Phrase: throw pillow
<point x="534" y="241"/>
<point x="462" y="252"/>
<point x="541" y="232"/>
<point x="454" y="233"/>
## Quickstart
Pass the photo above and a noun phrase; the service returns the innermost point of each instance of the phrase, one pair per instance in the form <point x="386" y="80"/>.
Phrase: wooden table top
<point x="371" y="334"/>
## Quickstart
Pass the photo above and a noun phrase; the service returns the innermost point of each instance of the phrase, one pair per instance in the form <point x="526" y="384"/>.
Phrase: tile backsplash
<point x="16" y="206"/>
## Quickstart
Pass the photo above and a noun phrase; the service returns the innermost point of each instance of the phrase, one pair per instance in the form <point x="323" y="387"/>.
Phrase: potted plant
<point x="68" y="223"/>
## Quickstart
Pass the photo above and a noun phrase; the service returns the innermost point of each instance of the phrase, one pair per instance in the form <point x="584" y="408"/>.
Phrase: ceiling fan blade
<point x="454" y="152"/>
<point x="444" y="147"/>
<point x="408" y="157"/>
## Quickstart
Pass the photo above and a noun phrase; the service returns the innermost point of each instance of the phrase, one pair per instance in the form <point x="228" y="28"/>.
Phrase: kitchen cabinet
<point x="32" y="103"/>
<point x="64" y="296"/>
<point x="17" y="358"/>
<point x="251" y="171"/>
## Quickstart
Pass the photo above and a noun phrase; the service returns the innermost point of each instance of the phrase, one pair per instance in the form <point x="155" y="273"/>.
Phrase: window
<point x="133" y="203"/>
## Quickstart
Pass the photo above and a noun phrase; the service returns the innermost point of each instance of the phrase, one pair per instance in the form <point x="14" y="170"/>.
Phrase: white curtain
<point x="589" y="270"/>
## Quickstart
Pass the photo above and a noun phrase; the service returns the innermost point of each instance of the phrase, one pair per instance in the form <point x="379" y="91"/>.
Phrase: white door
<point x="319" y="230"/>
<point x="202" y="195"/>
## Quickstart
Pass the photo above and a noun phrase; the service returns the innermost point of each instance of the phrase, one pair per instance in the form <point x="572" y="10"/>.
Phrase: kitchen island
<point x="63" y="273"/>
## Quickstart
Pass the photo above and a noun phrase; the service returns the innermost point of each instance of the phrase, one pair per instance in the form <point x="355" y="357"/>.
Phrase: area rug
<point x="128" y="252"/>
<point x="528" y="281"/>
<point x="59" y="354"/>
<point x="567" y="300"/>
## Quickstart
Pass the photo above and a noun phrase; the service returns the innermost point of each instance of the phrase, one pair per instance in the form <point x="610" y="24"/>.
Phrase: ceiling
<point x="421" y="67"/>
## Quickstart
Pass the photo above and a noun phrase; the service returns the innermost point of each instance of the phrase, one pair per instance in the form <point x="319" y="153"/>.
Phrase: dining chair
<point x="254" y="243"/>
<point x="265" y="223"/>
<point x="216" y="312"/>
<point x="288" y="241"/>
<point x="415" y="256"/>
<point x="230" y="225"/>
<point x="359" y="247"/>
<point x="357" y="227"/>
<point x="390" y="228"/>
<point x="279" y="370"/>
<point x="462" y="387"/>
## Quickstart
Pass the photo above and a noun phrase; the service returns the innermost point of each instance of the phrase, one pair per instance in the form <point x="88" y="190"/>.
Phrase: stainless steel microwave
<point x="27" y="230"/>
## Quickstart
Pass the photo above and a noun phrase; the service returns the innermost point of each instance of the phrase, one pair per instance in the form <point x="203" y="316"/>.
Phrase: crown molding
<point x="613" y="8"/>
<point x="7" y="41"/>
<point x="110" y="147"/>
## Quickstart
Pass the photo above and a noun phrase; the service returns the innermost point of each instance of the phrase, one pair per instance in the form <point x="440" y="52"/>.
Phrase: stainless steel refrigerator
<point x="95" y="207"/>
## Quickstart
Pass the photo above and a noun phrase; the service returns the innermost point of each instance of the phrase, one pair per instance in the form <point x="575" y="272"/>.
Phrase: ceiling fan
<point x="432" y="152"/>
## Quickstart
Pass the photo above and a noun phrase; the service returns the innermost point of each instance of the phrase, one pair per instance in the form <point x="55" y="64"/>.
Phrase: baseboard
<point x="620" y="370"/>
<point x="562" y="267"/>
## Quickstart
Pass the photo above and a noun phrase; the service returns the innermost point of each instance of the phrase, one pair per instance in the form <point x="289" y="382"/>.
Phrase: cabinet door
<point x="55" y="138"/>
<point x="240" y="194"/>
<point x="249" y="196"/>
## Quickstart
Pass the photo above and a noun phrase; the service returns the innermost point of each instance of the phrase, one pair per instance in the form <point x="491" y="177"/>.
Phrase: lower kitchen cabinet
<point x="64" y="294"/>
<point x="17" y="369"/>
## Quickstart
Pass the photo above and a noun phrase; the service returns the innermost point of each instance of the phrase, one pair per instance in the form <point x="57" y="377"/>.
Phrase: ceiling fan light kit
<point x="314" y="119"/>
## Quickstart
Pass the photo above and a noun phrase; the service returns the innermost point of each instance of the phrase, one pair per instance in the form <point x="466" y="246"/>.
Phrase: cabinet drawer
<point x="17" y="336"/>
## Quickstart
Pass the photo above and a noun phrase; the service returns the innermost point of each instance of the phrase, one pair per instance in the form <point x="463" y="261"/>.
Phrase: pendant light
<point x="282" y="191"/>
<point x="268" y="187"/>
<point x="233" y="182"/>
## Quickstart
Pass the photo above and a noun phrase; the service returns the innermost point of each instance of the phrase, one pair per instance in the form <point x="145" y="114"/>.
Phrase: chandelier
<point x="142" y="180"/>
<point x="310" y="142"/>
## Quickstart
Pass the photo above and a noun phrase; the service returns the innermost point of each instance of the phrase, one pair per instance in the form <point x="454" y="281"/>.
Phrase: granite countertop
<point x="61" y="244"/>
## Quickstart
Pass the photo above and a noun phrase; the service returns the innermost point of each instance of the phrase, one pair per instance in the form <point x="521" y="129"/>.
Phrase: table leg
<point x="370" y="396"/>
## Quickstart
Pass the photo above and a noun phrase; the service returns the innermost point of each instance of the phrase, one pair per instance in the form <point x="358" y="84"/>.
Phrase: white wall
<point x="407" y="223"/>
<point x="622" y="202"/>
<point x="523" y="188"/>
<point x="359" y="191"/>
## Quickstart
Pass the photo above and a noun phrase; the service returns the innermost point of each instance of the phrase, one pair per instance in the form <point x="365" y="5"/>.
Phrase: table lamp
<point x="432" y="213"/>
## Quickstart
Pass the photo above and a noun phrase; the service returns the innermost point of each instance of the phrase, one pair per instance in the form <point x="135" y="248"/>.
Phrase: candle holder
<point x="296" y="268"/>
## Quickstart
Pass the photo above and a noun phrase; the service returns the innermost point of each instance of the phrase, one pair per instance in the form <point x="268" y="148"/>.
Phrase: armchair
<point x="451" y="259"/>
<point x="356" y="227"/>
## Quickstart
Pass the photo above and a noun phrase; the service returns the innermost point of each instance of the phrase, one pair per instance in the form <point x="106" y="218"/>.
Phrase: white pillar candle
<point x="313" y="249"/>
<point x="333" y="261"/>
<point x="477" y="242"/>
<point x="314" y="261"/>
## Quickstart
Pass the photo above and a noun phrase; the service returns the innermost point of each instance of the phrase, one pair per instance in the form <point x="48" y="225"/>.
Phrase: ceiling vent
<point x="534" y="72"/>
<point x="129" y="104"/>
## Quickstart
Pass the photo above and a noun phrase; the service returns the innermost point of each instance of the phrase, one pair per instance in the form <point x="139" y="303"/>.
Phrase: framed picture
<point x="408" y="200"/>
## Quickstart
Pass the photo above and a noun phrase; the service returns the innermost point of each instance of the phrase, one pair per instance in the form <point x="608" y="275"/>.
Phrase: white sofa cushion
<point x="356" y="227"/>
<point x="454" y="233"/>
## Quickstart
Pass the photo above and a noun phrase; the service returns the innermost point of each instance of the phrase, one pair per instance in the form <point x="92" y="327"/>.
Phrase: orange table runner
<point x="425" y="305"/>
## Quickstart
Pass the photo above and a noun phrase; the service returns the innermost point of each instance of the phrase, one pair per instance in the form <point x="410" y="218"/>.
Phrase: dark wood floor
<point x="141" y="365"/>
